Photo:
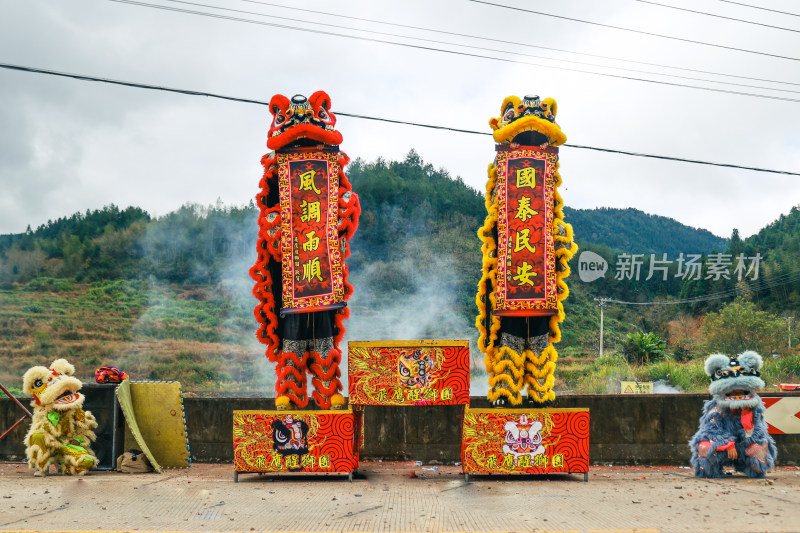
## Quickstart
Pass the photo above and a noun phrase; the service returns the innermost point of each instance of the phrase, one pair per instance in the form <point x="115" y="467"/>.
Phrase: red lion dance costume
<point x="308" y="213"/>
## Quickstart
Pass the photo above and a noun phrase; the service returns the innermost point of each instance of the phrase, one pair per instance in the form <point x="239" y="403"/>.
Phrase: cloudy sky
<point x="68" y="145"/>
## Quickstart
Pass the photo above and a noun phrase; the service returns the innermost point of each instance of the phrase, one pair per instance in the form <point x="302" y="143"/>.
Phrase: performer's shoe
<point x="547" y="404"/>
<point x="283" y="403"/>
<point x="500" y="403"/>
<point x="338" y="401"/>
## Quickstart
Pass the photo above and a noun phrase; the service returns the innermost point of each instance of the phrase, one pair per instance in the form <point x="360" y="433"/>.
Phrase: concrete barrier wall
<point x="644" y="429"/>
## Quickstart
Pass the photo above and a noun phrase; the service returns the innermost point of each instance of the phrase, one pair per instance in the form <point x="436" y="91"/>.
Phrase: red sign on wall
<point x="295" y="441"/>
<point x="782" y="415"/>
<point x="311" y="257"/>
<point x="519" y="441"/>
<point x="526" y="276"/>
<point x="408" y="372"/>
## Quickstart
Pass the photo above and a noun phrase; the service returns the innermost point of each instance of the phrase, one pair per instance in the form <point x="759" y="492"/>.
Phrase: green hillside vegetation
<point x="633" y="231"/>
<point x="169" y="298"/>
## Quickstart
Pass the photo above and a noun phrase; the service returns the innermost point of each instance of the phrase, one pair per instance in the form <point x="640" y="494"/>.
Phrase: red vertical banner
<point x="526" y="275"/>
<point x="311" y="256"/>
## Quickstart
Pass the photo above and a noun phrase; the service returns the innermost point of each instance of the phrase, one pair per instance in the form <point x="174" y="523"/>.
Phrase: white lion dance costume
<point x="526" y="247"/>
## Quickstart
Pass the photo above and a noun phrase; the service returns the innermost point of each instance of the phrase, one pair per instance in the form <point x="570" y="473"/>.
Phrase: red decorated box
<point x="525" y="441"/>
<point x="408" y="372"/>
<point x="526" y="275"/>
<point x="295" y="441"/>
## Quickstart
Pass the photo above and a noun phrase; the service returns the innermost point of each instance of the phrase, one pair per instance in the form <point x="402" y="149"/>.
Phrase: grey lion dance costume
<point x="732" y="429"/>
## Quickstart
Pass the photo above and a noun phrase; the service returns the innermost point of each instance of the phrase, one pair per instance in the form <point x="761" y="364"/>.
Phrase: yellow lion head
<point x="529" y="121"/>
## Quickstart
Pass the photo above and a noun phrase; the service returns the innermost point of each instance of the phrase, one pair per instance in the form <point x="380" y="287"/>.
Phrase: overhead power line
<point x="631" y="30"/>
<point x="718" y="16"/>
<point x="480" y="47"/>
<point x="367" y="117"/>
<point x="515" y="43"/>
<point x="761" y="8"/>
<point x="454" y="52"/>
<point x="786" y="279"/>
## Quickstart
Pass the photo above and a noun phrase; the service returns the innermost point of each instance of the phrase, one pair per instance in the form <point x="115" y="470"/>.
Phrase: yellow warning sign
<point x="636" y="387"/>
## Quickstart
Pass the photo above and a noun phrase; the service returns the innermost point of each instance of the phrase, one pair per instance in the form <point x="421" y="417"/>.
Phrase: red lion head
<point x="302" y="118"/>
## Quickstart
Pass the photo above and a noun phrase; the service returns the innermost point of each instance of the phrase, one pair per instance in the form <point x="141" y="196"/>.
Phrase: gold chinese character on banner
<point x="522" y="241"/>
<point x="526" y="177"/>
<point x="524" y="211"/>
<point x="309" y="211"/>
<point x="312" y="242"/>
<point x="312" y="269"/>
<point x="524" y="274"/>
<point x="307" y="181"/>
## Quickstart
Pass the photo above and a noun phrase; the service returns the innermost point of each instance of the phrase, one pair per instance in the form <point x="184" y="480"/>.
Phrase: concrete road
<point x="400" y="497"/>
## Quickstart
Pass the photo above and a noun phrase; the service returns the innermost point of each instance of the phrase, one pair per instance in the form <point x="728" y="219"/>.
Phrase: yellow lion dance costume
<point x="518" y="346"/>
<point x="61" y="431"/>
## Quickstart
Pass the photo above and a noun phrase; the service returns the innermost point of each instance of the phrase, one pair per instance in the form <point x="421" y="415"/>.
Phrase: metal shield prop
<point x="526" y="275"/>
<point x="311" y="256"/>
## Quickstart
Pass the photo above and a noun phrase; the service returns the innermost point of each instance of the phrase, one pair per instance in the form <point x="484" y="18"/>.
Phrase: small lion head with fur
<point x="54" y="387"/>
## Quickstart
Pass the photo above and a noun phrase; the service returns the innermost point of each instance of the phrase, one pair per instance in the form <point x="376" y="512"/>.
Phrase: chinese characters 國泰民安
<point x="525" y="177"/>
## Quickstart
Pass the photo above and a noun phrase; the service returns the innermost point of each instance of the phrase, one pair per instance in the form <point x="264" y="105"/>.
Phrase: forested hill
<point x="631" y="230"/>
<point x="410" y="209"/>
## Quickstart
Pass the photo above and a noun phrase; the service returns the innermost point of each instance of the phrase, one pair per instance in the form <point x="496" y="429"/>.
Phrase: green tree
<point x="740" y="326"/>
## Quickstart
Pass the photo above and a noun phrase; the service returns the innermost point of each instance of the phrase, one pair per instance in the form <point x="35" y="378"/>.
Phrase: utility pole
<point x="602" y="302"/>
<point x="789" y="330"/>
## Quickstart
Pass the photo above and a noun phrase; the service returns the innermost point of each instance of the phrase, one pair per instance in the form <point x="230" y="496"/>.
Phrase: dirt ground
<point x="400" y="497"/>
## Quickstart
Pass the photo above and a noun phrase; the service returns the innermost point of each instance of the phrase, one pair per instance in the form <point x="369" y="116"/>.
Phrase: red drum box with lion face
<point x="409" y="372"/>
<point x="296" y="441"/>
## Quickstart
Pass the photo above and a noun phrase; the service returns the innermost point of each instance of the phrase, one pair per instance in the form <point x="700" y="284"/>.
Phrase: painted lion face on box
<point x="54" y="387"/>
<point x="735" y="380"/>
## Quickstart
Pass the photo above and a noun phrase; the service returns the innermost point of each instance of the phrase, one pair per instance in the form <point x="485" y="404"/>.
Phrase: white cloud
<point x="69" y="145"/>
